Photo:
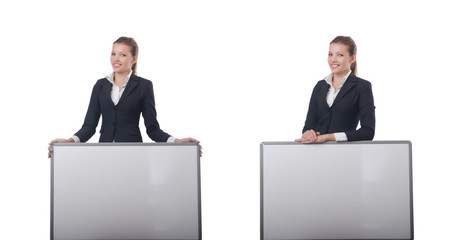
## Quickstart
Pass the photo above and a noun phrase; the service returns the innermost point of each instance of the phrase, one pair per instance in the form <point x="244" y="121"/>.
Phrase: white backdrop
<point x="231" y="74"/>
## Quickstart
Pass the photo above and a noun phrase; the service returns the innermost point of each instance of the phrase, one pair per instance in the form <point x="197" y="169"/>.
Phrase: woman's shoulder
<point x="360" y="81"/>
<point x="140" y="80"/>
<point x="321" y="84"/>
<point x="101" y="82"/>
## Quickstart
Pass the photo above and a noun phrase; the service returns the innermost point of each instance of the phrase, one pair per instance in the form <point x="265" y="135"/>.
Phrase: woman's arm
<point x="310" y="121"/>
<point x="308" y="133"/>
<point x="151" y="123"/>
<point x="90" y="122"/>
<point x="92" y="115"/>
<point x="149" y="115"/>
<point x="366" y="115"/>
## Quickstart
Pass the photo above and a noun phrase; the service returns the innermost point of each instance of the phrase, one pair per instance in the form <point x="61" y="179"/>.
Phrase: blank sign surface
<point x="126" y="191"/>
<point x="348" y="190"/>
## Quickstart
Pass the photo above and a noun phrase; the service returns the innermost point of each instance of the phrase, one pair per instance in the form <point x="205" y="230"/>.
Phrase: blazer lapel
<point x="323" y="93"/>
<point x="131" y="85"/>
<point x="349" y="84"/>
<point x="106" y="91"/>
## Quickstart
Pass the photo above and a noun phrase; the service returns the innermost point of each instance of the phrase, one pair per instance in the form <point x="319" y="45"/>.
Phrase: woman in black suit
<point x="120" y="98"/>
<point x="341" y="100"/>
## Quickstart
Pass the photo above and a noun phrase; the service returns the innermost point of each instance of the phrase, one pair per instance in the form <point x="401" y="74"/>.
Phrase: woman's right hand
<point x="58" y="140"/>
<point x="180" y="140"/>
<point x="309" y="136"/>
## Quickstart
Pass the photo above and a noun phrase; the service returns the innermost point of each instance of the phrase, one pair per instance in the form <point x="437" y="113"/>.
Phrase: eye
<point x="329" y="54"/>
<point x="123" y="55"/>
<point x="113" y="54"/>
<point x="340" y="55"/>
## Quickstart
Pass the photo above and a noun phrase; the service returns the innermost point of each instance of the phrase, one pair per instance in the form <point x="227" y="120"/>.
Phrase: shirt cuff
<point x="76" y="139"/>
<point x="340" y="137"/>
<point x="171" y="139"/>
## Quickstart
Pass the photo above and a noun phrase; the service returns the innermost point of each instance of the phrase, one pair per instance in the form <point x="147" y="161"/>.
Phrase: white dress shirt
<point x="116" y="93"/>
<point x="331" y="96"/>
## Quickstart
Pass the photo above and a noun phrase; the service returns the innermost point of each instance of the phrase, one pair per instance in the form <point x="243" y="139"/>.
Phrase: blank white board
<point x="125" y="191"/>
<point x="351" y="190"/>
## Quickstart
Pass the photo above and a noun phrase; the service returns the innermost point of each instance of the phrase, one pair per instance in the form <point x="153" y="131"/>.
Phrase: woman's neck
<point x="337" y="79"/>
<point x="120" y="78"/>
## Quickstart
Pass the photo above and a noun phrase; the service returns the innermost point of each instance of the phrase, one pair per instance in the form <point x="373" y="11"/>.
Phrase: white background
<point x="231" y="74"/>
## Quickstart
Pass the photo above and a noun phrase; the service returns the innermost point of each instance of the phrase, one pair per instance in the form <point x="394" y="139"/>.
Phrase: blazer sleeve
<point x="311" y="121"/>
<point x="149" y="115"/>
<point x="92" y="116"/>
<point x="366" y="115"/>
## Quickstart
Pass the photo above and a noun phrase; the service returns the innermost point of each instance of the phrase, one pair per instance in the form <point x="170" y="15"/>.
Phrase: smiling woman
<point x="120" y="98"/>
<point x="341" y="100"/>
<point x="124" y="55"/>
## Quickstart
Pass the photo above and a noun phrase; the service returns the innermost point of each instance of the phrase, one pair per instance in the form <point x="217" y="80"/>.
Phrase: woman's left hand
<point x="323" y="138"/>
<point x="180" y="140"/>
<point x="320" y="139"/>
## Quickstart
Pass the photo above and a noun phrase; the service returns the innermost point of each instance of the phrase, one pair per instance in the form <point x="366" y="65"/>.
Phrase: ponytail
<point x="354" y="68"/>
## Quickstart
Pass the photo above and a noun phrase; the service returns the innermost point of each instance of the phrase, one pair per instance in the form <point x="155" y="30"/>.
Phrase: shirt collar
<point x="328" y="78"/>
<point x="110" y="78"/>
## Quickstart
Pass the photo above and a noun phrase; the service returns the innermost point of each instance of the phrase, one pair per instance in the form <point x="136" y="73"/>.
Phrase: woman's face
<point x="121" y="58"/>
<point x="339" y="58"/>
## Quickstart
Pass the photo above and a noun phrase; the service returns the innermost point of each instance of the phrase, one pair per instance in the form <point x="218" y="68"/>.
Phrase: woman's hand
<point x="309" y="136"/>
<point x="316" y="138"/>
<point x="58" y="140"/>
<point x="180" y="140"/>
<point x="325" y="137"/>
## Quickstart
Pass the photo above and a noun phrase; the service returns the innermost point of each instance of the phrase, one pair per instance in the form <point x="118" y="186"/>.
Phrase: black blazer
<point x="354" y="103"/>
<point x="120" y="122"/>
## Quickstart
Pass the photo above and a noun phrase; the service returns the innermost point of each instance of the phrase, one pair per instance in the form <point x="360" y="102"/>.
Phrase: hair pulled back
<point x="348" y="41"/>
